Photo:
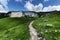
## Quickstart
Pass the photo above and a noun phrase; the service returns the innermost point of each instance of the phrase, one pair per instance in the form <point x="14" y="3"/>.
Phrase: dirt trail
<point x="33" y="32"/>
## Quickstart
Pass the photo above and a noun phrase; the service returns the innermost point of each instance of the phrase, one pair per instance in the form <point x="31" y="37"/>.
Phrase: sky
<point x="29" y="5"/>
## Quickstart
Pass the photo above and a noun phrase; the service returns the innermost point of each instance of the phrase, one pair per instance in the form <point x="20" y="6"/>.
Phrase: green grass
<point x="48" y="25"/>
<point x="14" y="28"/>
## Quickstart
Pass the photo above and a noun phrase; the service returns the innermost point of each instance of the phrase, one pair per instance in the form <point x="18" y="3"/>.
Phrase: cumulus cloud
<point x="32" y="7"/>
<point x="3" y="5"/>
<point x="39" y="7"/>
<point x="51" y="8"/>
<point x="1" y="8"/>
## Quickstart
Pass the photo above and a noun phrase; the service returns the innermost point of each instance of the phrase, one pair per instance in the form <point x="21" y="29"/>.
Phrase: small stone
<point x="39" y="38"/>
<point x="55" y="30"/>
<point x="41" y="32"/>
<point x="49" y="25"/>
<point x="46" y="30"/>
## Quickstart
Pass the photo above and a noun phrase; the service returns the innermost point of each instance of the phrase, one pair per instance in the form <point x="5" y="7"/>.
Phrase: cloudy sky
<point x="29" y="5"/>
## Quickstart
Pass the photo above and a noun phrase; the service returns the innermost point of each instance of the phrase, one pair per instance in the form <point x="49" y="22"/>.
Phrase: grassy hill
<point x="49" y="26"/>
<point x="14" y="28"/>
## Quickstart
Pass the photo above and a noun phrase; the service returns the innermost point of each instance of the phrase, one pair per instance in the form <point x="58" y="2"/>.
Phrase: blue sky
<point x="29" y="5"/>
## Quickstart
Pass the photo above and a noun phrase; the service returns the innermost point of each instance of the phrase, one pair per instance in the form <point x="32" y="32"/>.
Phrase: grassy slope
<point x="53" y="19"/>
<point x="14" y="28"/>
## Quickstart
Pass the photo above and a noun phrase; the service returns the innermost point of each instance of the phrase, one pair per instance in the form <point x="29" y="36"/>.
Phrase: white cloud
<point x="51" y="8"/>
<point x="39" y="7"/>
<point x="29" y="6"/>
<point x="3" y="5"/>
<point x="46" y="0"/>
<point x="32" y="7"/>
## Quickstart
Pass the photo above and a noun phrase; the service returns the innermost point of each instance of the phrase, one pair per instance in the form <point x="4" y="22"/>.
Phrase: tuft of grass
<point x="14" y="28"/>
